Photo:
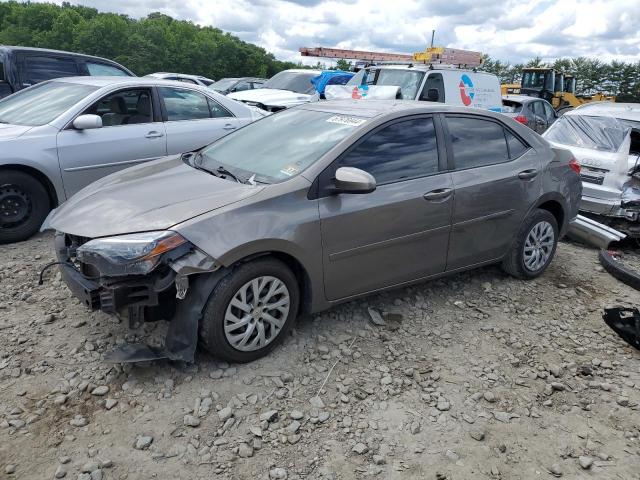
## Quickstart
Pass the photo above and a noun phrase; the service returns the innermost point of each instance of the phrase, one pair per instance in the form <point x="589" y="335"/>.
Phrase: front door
<point x="496" y="179"/>
<point x="193" y="120"/>
<point x="129" y="135"/>
<point x="397" y="233"/>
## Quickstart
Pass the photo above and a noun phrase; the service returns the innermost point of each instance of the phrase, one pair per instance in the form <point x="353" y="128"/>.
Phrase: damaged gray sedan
<point x="308" y="208"/>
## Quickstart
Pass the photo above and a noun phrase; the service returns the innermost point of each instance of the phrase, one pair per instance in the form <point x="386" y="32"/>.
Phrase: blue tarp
<point x="330" y="77"/>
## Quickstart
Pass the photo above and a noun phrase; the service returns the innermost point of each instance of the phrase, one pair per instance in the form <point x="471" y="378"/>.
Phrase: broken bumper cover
<point x="149" y="297"/>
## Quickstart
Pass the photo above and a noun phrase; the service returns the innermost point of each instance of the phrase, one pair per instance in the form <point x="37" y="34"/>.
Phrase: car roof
<point x="521" y="98"/>
<point x="187" y="75"/>
<point x="16" y="48"/>
<point x="100" y="81"/>
<point x="627" y="111"/>
<point x="374" y="108"/>
<point x="302" y="70"/>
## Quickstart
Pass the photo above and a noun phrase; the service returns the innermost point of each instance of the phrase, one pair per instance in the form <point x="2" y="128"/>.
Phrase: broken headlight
<point x="132" y="254"/>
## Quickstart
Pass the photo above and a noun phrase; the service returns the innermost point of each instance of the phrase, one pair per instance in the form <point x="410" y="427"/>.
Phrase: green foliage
<point x="152" y="44"/>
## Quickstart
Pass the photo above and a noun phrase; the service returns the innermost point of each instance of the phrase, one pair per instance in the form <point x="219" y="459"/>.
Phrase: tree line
<point x="160" y="43"/>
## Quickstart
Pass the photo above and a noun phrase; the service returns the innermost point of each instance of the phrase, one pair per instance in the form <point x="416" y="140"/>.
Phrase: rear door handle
<point x="154" y="134"/>
<point x="527" y="174"/>
<point x="438" y="194"/>
<point x="228" y="126"/>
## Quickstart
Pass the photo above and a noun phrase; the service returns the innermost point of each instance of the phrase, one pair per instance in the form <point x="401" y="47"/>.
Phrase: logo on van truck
<point x="467" y="91"/>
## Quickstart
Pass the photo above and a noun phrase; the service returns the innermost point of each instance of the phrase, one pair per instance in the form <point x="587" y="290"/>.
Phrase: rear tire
<point x="24" y="204"/>
<point x="534" y="246"/>
<point x="238" y="325"/>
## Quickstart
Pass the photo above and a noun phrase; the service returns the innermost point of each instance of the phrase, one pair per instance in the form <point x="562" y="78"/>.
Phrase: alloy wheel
<point x="256" y="313"/>
<point x="538" y="246"/>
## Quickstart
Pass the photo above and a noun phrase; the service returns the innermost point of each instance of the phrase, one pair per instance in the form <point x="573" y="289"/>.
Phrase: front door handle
<point x="438" y="194"/>
<point x="527" y="174"/>
<point x="228" y="126"/>
<point x="154" y="134"/>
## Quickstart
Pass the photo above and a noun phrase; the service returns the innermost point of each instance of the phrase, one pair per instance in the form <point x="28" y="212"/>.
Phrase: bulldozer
<point x="557" y="88"/>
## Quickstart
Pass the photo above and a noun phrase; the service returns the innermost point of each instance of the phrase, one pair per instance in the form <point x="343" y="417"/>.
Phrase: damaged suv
<point x="605" y="138"/>
<point x="307" y="208"/>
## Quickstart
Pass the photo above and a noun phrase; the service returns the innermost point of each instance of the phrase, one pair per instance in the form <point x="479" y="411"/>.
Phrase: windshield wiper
<point x="224" y="172"/>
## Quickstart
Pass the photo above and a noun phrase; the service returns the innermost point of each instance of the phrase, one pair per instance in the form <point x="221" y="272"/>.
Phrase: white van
<point x="441" y="83"/>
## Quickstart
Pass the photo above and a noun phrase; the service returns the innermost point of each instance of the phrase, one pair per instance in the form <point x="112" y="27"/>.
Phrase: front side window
<point x="434" y="82"/>
<point x="538" y="109"/>
<point x="40" y="68"/>
<point x="476" y="142"/>
<point x="217" y="110"/>
<point x="258" y="149"/>
<point x="400" y="151"/>
<point x="126" y="107"/>
<point x="182" y="104"/>
<point x="548" y="111"/>
<point x="42" y="103"/>
<point x="101" y="69"/>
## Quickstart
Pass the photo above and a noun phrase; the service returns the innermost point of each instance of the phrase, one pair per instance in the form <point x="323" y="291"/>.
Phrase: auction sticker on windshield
<point x="346" y="120"/>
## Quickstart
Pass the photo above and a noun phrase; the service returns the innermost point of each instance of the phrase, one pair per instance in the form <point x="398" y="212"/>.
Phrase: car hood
<point x="9" y="132"/>
<point x="152" y="196"/>
<point x="272" y="97"/>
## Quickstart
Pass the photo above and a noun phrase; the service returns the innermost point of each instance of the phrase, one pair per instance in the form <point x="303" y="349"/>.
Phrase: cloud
<point x="510" y="30"/>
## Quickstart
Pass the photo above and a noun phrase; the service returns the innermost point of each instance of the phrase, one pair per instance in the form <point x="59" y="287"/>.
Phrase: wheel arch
<point x="38" y="175"/>
<point x="288" y="255"/>
<point x="556" y="206"/>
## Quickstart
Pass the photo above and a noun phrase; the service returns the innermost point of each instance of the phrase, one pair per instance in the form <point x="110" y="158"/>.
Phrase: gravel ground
<point x="474" y="376"/>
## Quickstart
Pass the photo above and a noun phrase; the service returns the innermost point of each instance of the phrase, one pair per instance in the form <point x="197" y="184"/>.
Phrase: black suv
<point x="21" y="67"/>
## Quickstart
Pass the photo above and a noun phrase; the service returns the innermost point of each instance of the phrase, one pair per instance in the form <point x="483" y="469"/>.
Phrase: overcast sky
<point x="509" y="30"/>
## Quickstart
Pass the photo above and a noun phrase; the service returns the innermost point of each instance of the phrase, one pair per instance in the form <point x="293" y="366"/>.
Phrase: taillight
<point x="574" y="165"/>
<point x="522" y="119"/>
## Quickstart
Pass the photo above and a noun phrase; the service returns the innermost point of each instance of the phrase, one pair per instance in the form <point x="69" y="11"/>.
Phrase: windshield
<point x="598" y="133"/>
<point x="258" y="149"/>
<point x="299" y="82"/>
<point x="224" y="84"/>
<point x="409" y="81"/>
<point x="533" y="79"/>
<point x="42" y="103"/>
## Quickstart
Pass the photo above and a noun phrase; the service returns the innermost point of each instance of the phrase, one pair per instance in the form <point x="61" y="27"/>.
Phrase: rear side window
<point x="538" y="109"/>
<point x="400" y="151"/>
<point x="476" y="142"/>
<point x="184" y="104"/>
<point x="40" y="68"/>
<point x="101" y="69"/>
<point x="516" y="147"/>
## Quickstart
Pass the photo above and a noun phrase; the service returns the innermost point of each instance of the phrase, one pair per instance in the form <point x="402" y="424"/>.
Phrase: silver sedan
<point x="58" y="136"/>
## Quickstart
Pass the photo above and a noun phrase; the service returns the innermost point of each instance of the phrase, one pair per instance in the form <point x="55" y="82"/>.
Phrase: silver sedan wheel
<point x="256" y="314"/>
<point x="538" y="246"/>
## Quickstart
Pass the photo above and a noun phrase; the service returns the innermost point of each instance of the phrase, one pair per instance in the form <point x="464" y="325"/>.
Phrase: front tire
<point x="534" y="246"/>
<point x="24" y="204"/>
<point x="250" y="311"/>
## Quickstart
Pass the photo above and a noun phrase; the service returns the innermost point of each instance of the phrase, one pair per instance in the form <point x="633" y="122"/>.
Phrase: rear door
<point x="192" y="119"/>
<point x="132" y="132"/>
<point x="497" y="178"/>
<point x="400" y="231"/>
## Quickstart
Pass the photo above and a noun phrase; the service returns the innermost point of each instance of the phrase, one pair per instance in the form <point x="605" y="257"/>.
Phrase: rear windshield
<point x="42" y="103"/>
<point x="598" y="133"/>
<point x="510" y="106"/>
<point x="224" y="84"/>
<point x="299" y="82"/>
<point x="409" y="81"/>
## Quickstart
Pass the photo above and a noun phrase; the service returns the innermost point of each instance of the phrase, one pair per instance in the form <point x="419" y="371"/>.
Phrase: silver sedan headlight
<point x="132" y="254"/>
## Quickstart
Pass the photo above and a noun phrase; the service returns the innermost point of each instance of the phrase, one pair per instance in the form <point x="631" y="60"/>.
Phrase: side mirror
<point x="87" y="122"/>
<point x="433" y="95"/>
<point x="354" y="180"/>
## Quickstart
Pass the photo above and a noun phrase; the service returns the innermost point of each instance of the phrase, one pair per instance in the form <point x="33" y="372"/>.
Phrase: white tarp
<point x="361" y="92"/>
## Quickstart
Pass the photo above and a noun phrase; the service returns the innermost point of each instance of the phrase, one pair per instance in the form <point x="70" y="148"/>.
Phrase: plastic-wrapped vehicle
<point x="605" y="139"/>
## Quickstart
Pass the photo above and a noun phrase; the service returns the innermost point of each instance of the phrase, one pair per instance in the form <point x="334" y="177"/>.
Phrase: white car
<point x="285" y="89"/>
<point x="605" y="139"/>
<point x="60" y="135"/>
<point x="182" y="77"/>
